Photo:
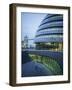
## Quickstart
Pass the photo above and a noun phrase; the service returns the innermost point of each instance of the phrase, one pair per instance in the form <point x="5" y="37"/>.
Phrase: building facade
<point x="49" y="35"/>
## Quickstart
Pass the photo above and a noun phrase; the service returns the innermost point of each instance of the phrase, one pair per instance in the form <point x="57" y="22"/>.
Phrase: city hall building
<point x="49" y="35"/>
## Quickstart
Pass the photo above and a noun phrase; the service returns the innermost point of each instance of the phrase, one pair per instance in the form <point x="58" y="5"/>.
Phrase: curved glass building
<point x="50" y="33"/>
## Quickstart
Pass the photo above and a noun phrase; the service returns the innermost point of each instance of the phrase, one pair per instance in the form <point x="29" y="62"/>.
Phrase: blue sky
<point x="30" y="23"/>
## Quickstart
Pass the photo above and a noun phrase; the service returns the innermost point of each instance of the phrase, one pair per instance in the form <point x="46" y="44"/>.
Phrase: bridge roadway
<point x="57" y="55"/>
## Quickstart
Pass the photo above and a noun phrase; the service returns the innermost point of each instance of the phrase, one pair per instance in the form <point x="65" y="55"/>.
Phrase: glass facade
<point x="50" y="33"/>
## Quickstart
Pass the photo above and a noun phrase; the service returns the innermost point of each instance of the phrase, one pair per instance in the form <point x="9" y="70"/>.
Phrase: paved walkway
<point x="31" y="68"/>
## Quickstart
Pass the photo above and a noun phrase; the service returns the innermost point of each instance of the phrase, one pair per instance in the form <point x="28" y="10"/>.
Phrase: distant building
<point x="25" y="42"/>
<point x="50" y="33"/>
<point x="22" y="44"/>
